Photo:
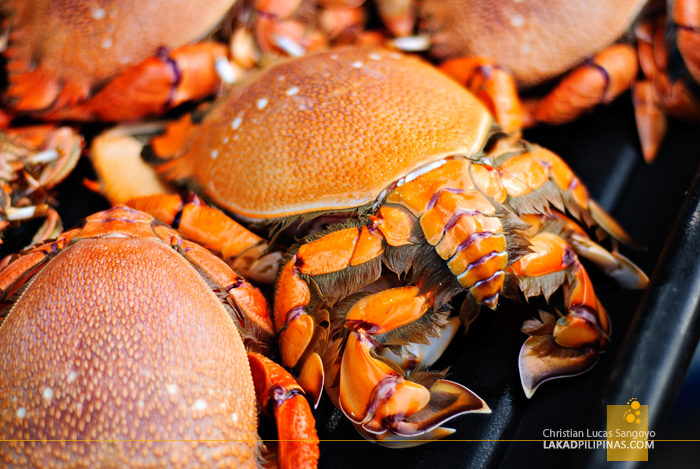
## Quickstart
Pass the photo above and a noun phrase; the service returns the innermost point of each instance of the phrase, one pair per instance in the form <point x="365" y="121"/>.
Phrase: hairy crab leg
<point x="374" y="392"/>
<point x="614" y="264"/>
<point x="281" y="398"/>
<point x="569" y="346"/>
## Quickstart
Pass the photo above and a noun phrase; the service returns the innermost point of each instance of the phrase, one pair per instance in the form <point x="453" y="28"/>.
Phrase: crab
<point x="101" y="61"/>
<point x="122" y="330"/>
<point x="581" y="41"/>
<point x="431" y="200"/>
<point x="33" y="160"/>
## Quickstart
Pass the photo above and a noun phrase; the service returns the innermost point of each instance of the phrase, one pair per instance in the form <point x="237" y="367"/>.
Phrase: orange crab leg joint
<point x="551" y="254"/>
<point x="330" y="253"/>
<point x="522" y="174"/>
<point x="395" y="224"/>
<point x="387" y="310"/>
<point x="197" y="221"/>
<point x="416" y="195"/>
<point x="280" y="396"/>
<point x="149" y="88"/>
<point x="600" y="80"/>
<point x="491" y="85"/>
<point x="587" y="321"/>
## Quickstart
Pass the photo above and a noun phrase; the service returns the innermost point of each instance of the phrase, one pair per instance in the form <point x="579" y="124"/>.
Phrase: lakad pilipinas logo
<point x="628" y="432"/>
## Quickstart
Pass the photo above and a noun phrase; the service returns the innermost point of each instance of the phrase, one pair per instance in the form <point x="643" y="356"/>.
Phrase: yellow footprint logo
<point x="632" y="414"/>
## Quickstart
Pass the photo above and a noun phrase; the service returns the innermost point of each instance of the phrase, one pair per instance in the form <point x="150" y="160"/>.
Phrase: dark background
<point x="602" y="149"/>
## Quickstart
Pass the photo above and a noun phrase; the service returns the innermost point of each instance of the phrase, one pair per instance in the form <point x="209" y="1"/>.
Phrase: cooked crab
<point x="121" y="330"/>
<point x="109" y="60"/>
<point x="537" y="42"/>
<point x="430" y="193"/>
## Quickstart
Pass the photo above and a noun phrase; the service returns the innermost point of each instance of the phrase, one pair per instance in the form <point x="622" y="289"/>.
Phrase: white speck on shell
<point x="236" y="123"/>
<point x="98" y="13"/>
<point x="234" y="417"/>
<point x="395" y="55"/>
<point x="292" y="91"/>
<point x="21" y="412"/>
<point x="106" y="43"/>
<point x="199" y="404"/>
<point x="517" y="20"/>
<point x="48" y="393"/>
<point x="261" y="103"/>
<point x="172" y="388"/>
<point x="214" y="154"/>
<point x="334" y="56"/>
<point x="374" y="56"/>
<point x="140" y="403"/>
<point x="71" y="376"/>
<point x="357" y="64"/>
<point x="225" y="140"/>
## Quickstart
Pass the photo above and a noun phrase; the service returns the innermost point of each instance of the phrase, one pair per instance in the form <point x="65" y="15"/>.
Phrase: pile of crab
<point x="361" y="206"/>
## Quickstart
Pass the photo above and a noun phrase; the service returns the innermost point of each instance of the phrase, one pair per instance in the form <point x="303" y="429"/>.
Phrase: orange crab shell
<point x="81" y="45"/>
<point x="280" y="132"/>
<point x="534" y="40"/>
<point x="118" y="337"/>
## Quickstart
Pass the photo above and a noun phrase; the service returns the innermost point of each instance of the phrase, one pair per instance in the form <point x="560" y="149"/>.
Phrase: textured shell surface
<point x="534" y="40"/>
<point x="330" y="131"/>
<point x="122" y="339"/>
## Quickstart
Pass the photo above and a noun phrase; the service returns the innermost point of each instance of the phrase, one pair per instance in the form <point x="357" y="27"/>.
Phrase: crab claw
<point x="388" y="406"/>
<point x="433" y="415"/>
<point x="559" y="362"/>
<point x="549" y="353"/>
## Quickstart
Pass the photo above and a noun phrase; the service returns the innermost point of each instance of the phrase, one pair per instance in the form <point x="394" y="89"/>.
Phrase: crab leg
<point x="374" y="392"/>
<point x="571" y="345"/>
<point x="686" y="16"/>
<point x="296" y="325"/>
<point x="614" y="264"/>
<point x="657" y="95"/>
<point x="150" y="88"/>
<point x="215" y="230"/>
<point x="494" y="87"/>
<point x="537" y="179"/>
<point x="600" y="80"/>
<point x="254" y="316"/>
<point x="282" y="398"/>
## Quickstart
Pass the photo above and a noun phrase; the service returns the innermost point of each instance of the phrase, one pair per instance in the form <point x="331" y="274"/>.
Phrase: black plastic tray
<point x="602" y="148"/>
